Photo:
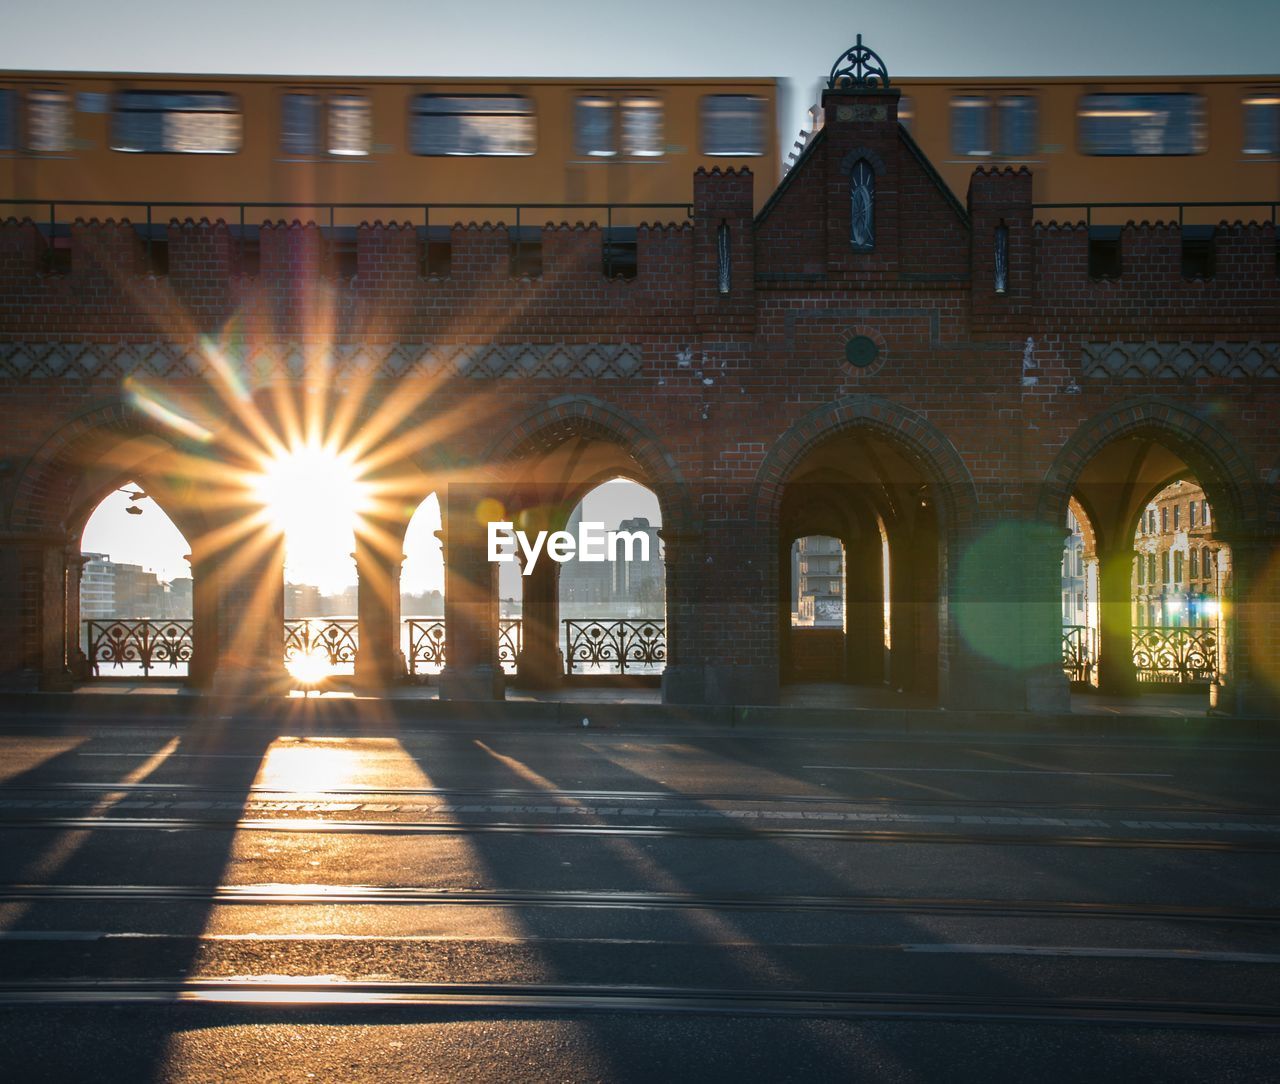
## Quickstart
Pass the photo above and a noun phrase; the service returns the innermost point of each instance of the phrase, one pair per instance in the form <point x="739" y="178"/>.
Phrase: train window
<point x="350" y="125"/>
<point x="175" y="122"/>
<point x="1141" y="124"/>
<point x="594" y="125"/>
<point x="300" y="123"/>
<point x="1262" y="123"/>
<point x="598" y="118"/>
<point x="1016" y="116"/>
<point x="971" y="126"/>
<point x="445" y="124"/>
<point x="733" y="125"/>
<point x="907" y="112"/>
<point x="8" y="113"/>
<point x="48" y="121"/>
<point x="642" y="127"/>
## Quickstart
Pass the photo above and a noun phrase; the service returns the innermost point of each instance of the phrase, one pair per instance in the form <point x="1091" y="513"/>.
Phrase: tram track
<point x="409" y="895"/>
<point x="571" y="795"/>
<point x="282" y="993"/>
<point x="334" y="826"/>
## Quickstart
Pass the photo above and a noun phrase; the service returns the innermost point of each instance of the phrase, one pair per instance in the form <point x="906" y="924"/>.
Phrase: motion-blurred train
<point x="257" y="139"/>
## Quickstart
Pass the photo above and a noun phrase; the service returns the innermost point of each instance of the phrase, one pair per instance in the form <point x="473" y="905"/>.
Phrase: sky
<point x="797" y="42"/>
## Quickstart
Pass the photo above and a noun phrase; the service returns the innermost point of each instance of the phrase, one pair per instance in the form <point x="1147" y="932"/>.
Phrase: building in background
<point x="111" y="590"/>
<point x="97" y="588"/>
<point x="1177" y="564"/>
<point x="618" y="588"/>
<point x="819" y="564"/>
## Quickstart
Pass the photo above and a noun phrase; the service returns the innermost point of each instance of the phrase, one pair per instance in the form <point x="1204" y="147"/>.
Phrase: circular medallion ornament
<point x="861" y="351"/>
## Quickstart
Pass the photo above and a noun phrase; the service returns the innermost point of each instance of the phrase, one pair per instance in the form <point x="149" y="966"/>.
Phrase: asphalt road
<point x="243" y="900"/>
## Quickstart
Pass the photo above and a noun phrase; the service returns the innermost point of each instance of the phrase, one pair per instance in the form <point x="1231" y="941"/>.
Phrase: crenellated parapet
<point x="105" y="252"/>
<point x="201" y="259"/>
<point x="1121" y="279"/>
<point x="22" y="249"/>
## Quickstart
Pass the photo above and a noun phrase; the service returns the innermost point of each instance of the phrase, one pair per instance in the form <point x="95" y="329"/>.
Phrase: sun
<point x="315" y="497"/>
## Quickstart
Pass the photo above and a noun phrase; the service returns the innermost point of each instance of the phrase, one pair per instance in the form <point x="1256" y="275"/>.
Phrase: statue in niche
<point x="862" y="200"/>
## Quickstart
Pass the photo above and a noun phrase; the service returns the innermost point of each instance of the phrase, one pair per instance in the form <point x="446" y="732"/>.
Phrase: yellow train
<point x="463" y="142"/>
<point x="1129" y="139"/>
<point x="259" y="139"/>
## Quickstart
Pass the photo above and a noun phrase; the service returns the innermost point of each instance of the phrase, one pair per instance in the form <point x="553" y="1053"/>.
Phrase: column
<point x="55" y="674"/>
<point x="379" y="658"/>
<point x="864" y="611"/>
<point x="540" y="663"/>
<point x="683" y="679"/>
<point x="248" y="586"/>
<point x="471" y="669"/>
<point x="77" y="661"/>
<point x="204" y="616"/>
<point x="1248" y="576"/>
<point x="1116" y="674"/>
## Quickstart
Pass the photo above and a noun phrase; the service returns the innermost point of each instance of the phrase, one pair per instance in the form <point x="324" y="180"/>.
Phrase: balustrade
<point x="1161" y="655"/>
<point x="130" y="646"/>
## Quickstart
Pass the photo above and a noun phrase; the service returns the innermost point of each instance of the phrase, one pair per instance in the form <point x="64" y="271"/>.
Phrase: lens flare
<point x="315" y="497"/>
<point x="311" y="667"/>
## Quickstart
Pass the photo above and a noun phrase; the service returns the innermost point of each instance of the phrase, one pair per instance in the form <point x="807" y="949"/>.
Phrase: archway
<point x="1137" y="473"/>
<point x="894" y="491"/>
<point x="541" y="472"/>
<point x="612" y="605"/>
<point x="130" y="592"/>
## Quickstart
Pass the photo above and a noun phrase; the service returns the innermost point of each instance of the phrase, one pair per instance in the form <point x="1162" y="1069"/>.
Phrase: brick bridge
<point x="863" y="358"/>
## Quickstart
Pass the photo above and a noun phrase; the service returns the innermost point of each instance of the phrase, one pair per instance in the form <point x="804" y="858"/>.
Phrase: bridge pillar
<point x="684" y="679"/>
<point x="248" y="585"/>
<point x="1249" y="627"/>
<point x="540" y="663"/>
<point x="379" y="658"/>
<point x="55" y="617"/>
<point x="471" y="669"/>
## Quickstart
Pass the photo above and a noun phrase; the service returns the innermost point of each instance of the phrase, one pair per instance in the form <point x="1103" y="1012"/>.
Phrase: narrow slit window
<point x="862" y="206"/>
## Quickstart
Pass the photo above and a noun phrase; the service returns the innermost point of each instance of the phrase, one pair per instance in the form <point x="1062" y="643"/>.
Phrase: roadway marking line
<point x="1210" y="956"/>
<point x="967" y="771"/>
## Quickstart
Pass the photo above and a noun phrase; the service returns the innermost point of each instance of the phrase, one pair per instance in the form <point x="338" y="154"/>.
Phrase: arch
<point x="914" y="435"/>
<point x="46" y="491"/>
<point x="547" y="426"/>
<point x="1222" y="468"/>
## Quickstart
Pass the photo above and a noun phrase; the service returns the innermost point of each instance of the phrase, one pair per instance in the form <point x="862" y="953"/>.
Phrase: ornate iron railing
<point x="1175" y="656"/>
<point x="426" y="644"/>
<point x="1161" y="655"/>
<point x="1079" y="654"/>
<point x="425" y="650"/>
<point x="133" y="644"/>
<point x="337" y="637"/>
<point x="510" y="642"/>
<point x="618" y="646"/>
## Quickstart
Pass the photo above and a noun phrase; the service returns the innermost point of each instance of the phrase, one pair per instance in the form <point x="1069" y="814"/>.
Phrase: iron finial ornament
<point x="862" y="67"/>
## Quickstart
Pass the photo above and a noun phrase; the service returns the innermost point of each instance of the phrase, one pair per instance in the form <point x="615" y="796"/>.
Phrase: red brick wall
<point x="723" y="378"/>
